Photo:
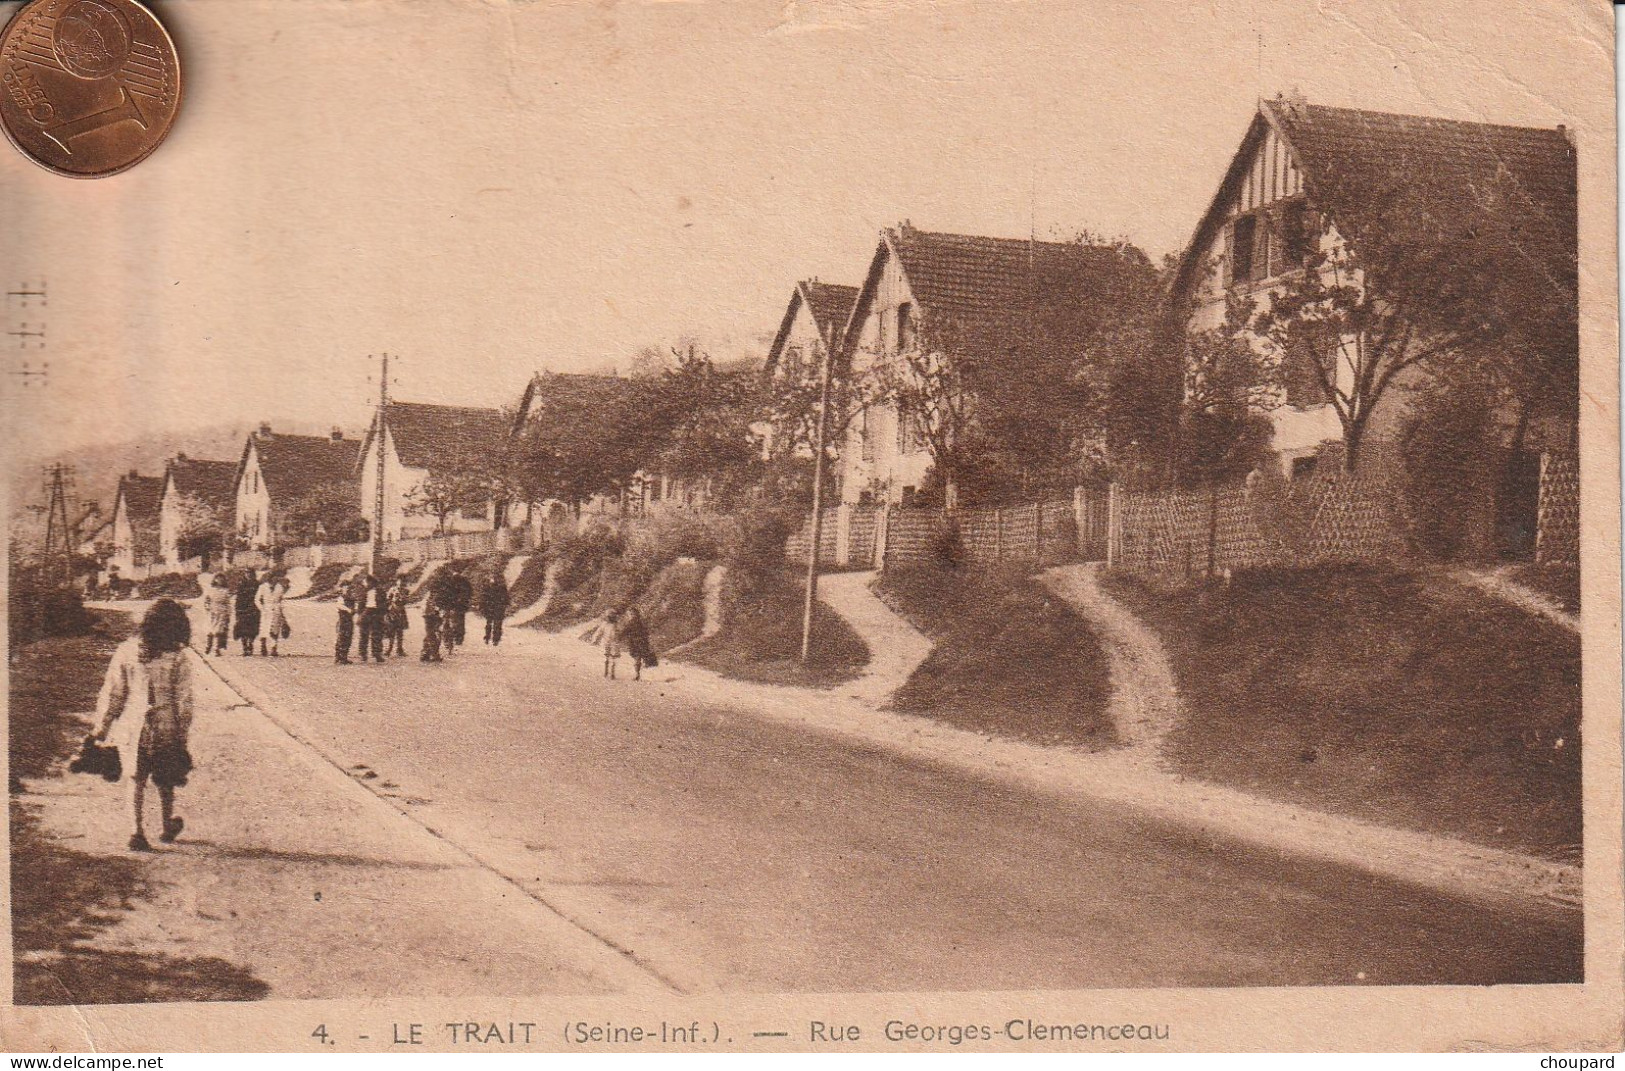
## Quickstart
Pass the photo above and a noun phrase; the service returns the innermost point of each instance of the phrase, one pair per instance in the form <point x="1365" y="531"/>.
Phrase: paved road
<point x="726" y="852"/>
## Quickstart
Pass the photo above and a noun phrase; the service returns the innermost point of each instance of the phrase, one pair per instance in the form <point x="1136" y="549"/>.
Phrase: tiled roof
<point x="580" y="391"/>
<point x="992" y="292"/>
<point x="211" y="482"/>
<point x="292" y="465"/>
<point x="141" y="495"/>
<point x="829" y="303"/>
<point x="1520" y="180"/>
<point x="426" y="435"/>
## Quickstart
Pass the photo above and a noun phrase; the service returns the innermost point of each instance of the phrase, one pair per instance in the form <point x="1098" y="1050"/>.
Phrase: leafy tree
<point x="1399" y="291"/>
<point x="327" y="513"/>
<point x="467" y="481"/>
<point x="1229" y="384"/>
<point x="201" y="528"/>
<point x="587" y="441"/>
<point x="705" y="418"/>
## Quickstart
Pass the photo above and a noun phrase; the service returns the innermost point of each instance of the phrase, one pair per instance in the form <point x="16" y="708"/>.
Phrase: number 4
<point x="321" y="1032"/>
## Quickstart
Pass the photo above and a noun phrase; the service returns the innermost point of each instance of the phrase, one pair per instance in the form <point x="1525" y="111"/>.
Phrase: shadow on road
<point x="63" y="900"/>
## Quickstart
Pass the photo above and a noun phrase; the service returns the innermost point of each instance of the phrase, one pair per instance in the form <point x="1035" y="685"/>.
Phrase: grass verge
<point x="760" y="638"/>
<point x="1395" y="697"/>
<point x="1009" y="658"/>
<point x="63" y="898"/>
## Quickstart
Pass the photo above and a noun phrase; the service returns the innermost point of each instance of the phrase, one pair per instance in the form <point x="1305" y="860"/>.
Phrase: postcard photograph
<point x="689" y="526"/>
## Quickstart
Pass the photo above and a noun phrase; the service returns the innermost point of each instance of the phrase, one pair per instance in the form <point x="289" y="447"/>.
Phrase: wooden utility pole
<point x="378" y="483"/>
<point x="824" y="374"/>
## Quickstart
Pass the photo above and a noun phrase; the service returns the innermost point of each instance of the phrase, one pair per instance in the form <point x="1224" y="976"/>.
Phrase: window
<point x="1239" y="248"/>
<point x="1304" y="467"/>
<point x="1268" y="242"/>
<point x="866" y="433"/>
<point x="909" y="437"/>
<point x="905" y="327"/>
<point x="1297" y="237"/>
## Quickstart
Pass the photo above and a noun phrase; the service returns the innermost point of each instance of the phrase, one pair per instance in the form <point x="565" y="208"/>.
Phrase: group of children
<point x="378" y="608"/>
<point x="256" y="605"/>
<point x="624" y="632"/>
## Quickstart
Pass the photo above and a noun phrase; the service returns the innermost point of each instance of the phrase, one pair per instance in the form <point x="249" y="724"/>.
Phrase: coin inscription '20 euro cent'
<point x="87" y="87"/>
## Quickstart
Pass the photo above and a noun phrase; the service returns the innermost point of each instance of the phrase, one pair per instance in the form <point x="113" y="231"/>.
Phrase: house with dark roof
<point x="811" y="327"/>
<point x="646" y="490"/>
<point x="135" y="521"/>
<point x="1308" y="177"/>
<point x="957" y="297"/>
<point x="93" y="532"/>
<point x="277" y="472"/>
<point x="197" y="497"/>
<point x="419" y="440"/>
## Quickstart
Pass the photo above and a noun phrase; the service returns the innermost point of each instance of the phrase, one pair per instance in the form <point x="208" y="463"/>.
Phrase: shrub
<point x="169" y="586"/>
<point x="583" y="554"/>
<point x="699" y="537"/>
<point x="37" y="609"/>
<point x="756" y="553"/>
<point x="674" y="604"/>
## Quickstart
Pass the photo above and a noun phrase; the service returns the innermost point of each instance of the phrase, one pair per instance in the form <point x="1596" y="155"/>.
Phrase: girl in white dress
<point x="147" y="695"/>
<point x="272" y="618"/>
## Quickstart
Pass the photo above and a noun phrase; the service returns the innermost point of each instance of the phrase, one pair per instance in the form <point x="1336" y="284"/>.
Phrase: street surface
<point x="719" y="851"/>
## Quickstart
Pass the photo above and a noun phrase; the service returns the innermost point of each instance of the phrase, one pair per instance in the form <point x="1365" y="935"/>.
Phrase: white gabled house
<point x="277" y="470"/>
<point x="196" y="497"/>
<point x="1303" y="168"/>
<point x="135" y="522"/>
<point x="420" y="439"/>
<point x="810" y="329"/>
<point x="987" y="301"/>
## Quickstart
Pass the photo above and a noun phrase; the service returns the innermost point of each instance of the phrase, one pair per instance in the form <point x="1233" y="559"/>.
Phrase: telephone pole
<point x="378" y="483"/>
<point x="59" y="534"/>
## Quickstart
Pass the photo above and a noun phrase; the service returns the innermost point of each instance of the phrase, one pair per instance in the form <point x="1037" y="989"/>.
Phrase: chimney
<point x="337" y="434"/>
<point x="134" y="473"/>
<point x="265" y="430"/>
<point x="1293" y="102"/>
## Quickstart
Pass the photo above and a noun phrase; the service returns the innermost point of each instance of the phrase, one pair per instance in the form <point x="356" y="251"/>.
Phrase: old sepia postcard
<point x="866" y="525"/>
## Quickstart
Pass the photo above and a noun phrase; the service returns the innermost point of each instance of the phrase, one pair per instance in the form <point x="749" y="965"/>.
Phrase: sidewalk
<point x="285" y="863"/>
<point x="1492" y="876"/>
